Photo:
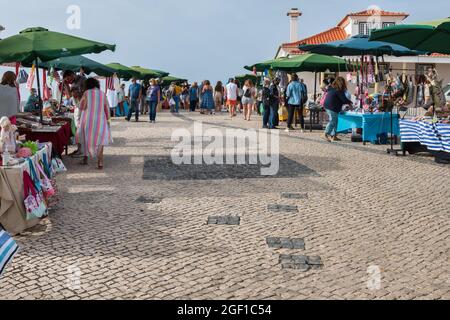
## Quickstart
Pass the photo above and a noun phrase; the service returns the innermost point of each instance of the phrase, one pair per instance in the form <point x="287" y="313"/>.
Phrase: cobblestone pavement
<point x="139" y="231"/>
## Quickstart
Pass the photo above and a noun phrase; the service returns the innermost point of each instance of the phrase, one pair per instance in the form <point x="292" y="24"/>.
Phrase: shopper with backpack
<point x="265" y="100"/>
<point x="274" y="102"/>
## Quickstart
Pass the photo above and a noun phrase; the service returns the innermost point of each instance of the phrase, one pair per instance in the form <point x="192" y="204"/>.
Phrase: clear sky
<point x="196" y="39"/>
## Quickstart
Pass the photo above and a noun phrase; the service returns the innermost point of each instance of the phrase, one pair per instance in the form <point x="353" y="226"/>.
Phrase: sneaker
<point x="327" y="138"/>
<point x="336" y="139"/>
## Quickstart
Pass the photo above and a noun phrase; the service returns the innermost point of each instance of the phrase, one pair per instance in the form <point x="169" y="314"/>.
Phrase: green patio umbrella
<point x="124" y="72"/>
<point x="263" y="66"/>
<point x="433" y="36"/>
<point x="33" y="43"/>
<point x="166" y="81"/>
<point x="39" y="44"/>
<point x="75" y="63"/>
<point x="310" y="63"/>
<point x="149" y="73"/>
<point x="359" y="46"/>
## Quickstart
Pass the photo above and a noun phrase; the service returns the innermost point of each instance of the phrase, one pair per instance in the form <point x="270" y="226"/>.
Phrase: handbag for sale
<point x="58" y="165"/>
<point x="22" y="77"/>
<point x="47" y="168"/>
<point x="46" y="185"/>
<point x="33" y="201"/>
<point x="34" y="176"/>
<point x="8" y="249"/>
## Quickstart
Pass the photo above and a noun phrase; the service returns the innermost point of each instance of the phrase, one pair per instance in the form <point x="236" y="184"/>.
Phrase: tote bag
<point x="8" y="249"/>
<point x="58" y="165"/>
<point x="34" y="203"/>
<point x="46" y="185"/>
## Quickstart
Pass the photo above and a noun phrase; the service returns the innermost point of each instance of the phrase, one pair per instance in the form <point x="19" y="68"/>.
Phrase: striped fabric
<point x="94" y="130"/>
<point x="110" y="84"/>
<point x="436" y="137"/>
<point x="8" y="248"/>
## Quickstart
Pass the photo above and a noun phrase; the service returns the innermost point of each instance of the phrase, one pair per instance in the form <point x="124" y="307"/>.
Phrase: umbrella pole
<point x="362" y="83"/>
<point x="39" y="91"/>
<point x="315" y="86"/>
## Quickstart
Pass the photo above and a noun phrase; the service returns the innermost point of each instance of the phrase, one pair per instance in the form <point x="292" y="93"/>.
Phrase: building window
<point x="422" y="68"/>
<point x="364" y="29"/>
<point x="388" y="24"/>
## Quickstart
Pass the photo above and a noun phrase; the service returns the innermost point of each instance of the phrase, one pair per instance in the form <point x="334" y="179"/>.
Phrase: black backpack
<point x="248" y="93"/>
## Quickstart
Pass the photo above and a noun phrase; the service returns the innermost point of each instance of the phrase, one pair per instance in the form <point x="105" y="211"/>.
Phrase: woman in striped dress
<point x="208" y="103"/>
<point x="94" y="132"/>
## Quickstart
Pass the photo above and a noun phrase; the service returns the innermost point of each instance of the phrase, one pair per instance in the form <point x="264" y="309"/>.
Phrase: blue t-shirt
<point x="153" y="93"/>
<point x="135" y="90"/>
<point x="193" y="94"/>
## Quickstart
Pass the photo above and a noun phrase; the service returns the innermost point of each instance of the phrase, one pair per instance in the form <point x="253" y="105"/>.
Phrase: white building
<point x="361" y="23"/>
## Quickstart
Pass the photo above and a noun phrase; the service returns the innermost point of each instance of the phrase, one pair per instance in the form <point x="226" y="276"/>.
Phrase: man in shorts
<point x="232" y="96"/>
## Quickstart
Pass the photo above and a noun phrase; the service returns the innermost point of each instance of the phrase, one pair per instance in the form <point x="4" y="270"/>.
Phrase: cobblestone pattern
<point x="364" y="209"/>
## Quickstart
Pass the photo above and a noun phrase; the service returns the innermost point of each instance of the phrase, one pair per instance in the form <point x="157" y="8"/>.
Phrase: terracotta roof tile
<point x="333" y="34"/>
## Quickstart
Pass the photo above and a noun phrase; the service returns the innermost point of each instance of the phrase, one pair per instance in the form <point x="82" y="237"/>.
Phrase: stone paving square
<point x="285" y="243"/>
<point x="224" y="220"/>
<point x="278" y="208"/>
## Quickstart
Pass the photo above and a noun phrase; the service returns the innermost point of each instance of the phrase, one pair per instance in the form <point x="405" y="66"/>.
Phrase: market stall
<point x="13" y="214"/>
<point x="368" y="72"/>
<point x="375" y="126"/>
<point x="424" y="135"/>
<point x="56" y="130"/>
<point x="37" y="45"/>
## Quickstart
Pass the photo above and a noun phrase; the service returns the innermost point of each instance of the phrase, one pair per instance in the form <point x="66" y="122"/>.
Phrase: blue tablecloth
<point x="373" y="124"/>
<point x="125" y="109"/>
<point x="436" y="137"/>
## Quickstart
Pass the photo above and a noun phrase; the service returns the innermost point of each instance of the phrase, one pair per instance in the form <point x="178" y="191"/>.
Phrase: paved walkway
<point x="138" y="230"/>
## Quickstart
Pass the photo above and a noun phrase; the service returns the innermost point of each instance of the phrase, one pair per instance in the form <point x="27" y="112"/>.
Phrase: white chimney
<point x="294" y="14"/>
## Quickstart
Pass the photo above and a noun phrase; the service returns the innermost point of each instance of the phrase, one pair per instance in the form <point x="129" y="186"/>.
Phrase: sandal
<point x="100" y="166"/>
<point x="84" y="162"/>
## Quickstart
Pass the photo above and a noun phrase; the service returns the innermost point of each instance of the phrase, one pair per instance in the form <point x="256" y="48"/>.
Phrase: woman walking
<point x="94" y="132"/>
<point x="154" y="97"/>
<point x="219" y="92"/>
<point x="248" y="99"/>
<point x="333" y="103"/>
<point x="207" y="97"/>
<point x="193" y="97"/>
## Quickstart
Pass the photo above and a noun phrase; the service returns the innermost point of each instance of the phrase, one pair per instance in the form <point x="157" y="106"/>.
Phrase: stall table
<point x="59" y="136"/>
<point x="372" y="124"/>
<point x="12" y="209"/>
<point x="423" y="136"/>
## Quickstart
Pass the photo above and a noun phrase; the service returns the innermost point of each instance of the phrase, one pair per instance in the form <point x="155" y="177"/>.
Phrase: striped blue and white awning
<point x="436" y="137"/>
